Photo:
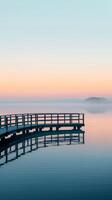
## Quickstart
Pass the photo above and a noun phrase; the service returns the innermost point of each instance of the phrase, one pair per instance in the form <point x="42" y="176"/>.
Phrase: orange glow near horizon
<point x="35" y="82"/>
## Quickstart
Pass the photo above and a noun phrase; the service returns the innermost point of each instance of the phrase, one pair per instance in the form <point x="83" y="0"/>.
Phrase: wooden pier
<point x="11" y="124"/>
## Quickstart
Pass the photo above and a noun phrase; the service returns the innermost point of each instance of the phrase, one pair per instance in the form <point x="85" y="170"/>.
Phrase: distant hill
<point x="97" y="100"/>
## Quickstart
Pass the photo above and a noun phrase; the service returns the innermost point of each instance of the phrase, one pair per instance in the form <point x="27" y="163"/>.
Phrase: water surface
<point x="76" y="171"/>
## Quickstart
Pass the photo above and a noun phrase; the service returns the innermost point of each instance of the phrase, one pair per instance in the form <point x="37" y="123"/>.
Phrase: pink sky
<point x="20" y="81"/>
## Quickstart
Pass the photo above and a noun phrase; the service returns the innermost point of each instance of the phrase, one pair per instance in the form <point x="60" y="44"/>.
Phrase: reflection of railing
<point x="14" y="147"/>
<point x="10" y="123"/>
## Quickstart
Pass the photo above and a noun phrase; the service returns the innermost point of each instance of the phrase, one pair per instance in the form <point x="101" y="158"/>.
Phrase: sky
<point x="59" y="48"/>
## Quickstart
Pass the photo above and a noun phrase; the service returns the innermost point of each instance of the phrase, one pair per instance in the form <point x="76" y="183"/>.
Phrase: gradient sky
<point x="59" y="48"/>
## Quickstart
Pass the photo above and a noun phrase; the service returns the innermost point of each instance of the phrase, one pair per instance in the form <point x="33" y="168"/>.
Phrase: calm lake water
<point x="69" y="172"/>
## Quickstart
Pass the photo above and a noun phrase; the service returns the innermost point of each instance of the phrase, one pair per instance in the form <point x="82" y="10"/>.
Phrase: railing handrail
<point x="19" y="114"/>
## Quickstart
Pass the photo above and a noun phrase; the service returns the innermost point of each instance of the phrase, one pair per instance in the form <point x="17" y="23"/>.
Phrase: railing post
<point x="23" y="120"/>
<point x="27" y="118"/>
<point x="31" y="119"/>
<point x="51" y="118"/>
<point x="35" y="118"/>
<point x="16" y="120"/>
<point x="6" y="122"/>
<point x="64" y="118"/>
<point x="57" y="118"/>
<point x="83" y="118"/>
<point x="10" y="120"/>
<point x="78" y="118"/>
<point x="44" y="118"/>
<point x="0" y="122"/>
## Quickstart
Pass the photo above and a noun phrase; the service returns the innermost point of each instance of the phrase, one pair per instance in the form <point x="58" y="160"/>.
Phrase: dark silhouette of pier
<point x="23" y="133"/>
<point x="40" y="121"/>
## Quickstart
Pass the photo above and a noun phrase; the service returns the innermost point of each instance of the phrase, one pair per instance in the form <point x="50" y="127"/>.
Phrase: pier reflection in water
<point x="13" y="147"/>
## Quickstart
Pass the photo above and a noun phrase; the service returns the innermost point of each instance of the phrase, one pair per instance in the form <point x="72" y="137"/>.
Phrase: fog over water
<point x="50" y="106"/>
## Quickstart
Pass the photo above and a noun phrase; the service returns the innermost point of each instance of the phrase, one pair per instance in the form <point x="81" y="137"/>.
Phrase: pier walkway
<point x="11" y="124"/>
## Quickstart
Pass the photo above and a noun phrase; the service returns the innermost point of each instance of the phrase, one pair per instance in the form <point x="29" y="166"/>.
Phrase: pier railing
<point x="17" y="120"/>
